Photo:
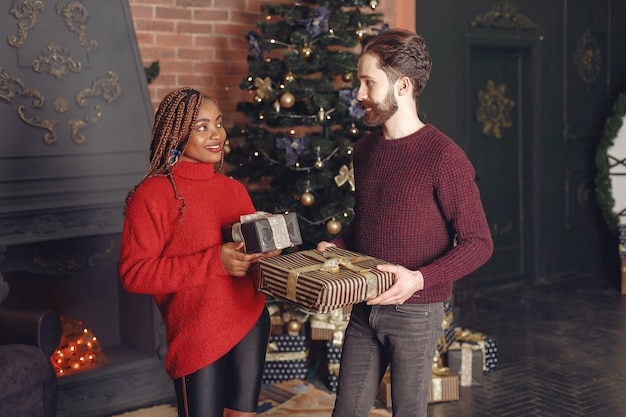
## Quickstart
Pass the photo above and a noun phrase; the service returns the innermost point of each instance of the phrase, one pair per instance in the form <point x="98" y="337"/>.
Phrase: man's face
<point x="375" y="93"/>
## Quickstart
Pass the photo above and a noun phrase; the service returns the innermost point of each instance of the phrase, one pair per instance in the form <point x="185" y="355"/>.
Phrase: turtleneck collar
<point x="194" y="170"/>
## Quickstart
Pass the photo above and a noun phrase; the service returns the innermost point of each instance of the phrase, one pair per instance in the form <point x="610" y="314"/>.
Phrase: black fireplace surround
<point x="76" y="117"/>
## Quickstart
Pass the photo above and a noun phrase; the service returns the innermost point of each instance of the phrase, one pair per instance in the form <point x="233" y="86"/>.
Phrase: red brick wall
<point x="202" y="44"/>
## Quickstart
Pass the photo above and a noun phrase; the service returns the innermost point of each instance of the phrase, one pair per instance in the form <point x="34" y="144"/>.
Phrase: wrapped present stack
<point x="448" y="329"/>
<point x="330" y="327"/>
<point x="487" y="345"/>
<point x="333" y="359"/>
<point x="444" y="386"/>
<point x="286" y="318"/>
<point x="287" y="358"/>
<point x="466" y="360"/>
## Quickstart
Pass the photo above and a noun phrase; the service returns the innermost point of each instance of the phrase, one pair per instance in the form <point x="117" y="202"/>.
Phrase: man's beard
<point x="380" y="112"/>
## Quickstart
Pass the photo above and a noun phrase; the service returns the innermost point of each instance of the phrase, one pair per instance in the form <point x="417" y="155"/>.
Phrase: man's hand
<point x="406" y="283"/>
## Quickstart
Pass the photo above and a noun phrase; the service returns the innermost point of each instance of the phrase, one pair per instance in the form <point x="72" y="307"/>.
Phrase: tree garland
<point x="603" y="178"/>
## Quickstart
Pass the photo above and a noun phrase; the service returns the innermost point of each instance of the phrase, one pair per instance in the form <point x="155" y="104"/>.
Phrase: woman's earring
<point x="174" y="157"/>
<point x="219" y="168"/>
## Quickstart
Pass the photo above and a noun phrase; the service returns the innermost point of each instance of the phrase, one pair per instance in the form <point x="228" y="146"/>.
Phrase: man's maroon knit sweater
<point x="412" y="196"/>
<point x="177" y="260"/>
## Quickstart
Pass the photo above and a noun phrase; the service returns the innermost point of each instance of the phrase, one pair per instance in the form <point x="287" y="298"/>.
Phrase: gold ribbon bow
<point x="263" y="87"/>
<point x="345" y="175"/>
<point x="333" y="263"/>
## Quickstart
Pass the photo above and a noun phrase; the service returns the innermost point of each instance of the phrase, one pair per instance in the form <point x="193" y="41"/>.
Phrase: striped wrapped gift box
<point x="323" y="282"/>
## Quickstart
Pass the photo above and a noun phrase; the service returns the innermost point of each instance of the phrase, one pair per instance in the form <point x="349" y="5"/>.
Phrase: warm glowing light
<point x="79" y="348"/>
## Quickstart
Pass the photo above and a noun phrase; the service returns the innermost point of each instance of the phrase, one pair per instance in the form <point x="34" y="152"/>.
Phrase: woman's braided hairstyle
<point x="173" y="120"/>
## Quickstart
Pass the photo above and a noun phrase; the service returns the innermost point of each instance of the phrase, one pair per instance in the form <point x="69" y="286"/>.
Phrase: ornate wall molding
<point x="29" y="228"/>
<point x="493" y="109"/>
<point x="503" y="16"/>
<point x="26" y="13"/>
<point x="588" y="59"/>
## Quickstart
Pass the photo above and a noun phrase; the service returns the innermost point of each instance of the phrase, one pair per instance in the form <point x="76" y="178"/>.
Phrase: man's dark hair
<point x="401" y="53"/>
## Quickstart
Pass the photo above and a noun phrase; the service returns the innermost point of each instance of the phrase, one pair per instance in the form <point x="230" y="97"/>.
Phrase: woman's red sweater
<point x="176" y="259"/>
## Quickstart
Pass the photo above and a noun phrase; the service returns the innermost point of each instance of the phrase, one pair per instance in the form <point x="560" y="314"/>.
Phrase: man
<point x="417" y="207"/>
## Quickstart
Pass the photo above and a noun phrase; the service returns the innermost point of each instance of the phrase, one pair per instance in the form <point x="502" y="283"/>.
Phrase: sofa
<point x="28" y="383"/>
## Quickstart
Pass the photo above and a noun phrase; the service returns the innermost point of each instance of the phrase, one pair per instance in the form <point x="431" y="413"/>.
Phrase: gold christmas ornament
<point x="319" y="164"/>
<point x="307" y="199"/>
<point x="354" y="131"/>
<point x="347" y="77"/>
<point x="306" y="51"/>
<point x="294" y="326"/>
<point x="359" y="34"/>
<point x="373" y="4"/>
<point x="289" y="77"/>
<point x="321" y="114"/>
<point x="333" y="226"/>
<point x="287" y="100"/>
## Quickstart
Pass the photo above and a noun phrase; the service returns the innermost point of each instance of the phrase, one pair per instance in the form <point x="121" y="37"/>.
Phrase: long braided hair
<point x="173" y="120"/>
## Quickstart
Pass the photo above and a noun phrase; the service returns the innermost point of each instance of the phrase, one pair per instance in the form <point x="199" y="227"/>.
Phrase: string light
<point x="79" y="348"/>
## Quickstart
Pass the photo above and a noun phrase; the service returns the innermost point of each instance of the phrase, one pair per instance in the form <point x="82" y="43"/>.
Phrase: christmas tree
<point x="303" y="117"/>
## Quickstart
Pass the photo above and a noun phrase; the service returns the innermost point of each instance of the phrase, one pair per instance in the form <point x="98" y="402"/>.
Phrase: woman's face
<point x="207" y="136"/>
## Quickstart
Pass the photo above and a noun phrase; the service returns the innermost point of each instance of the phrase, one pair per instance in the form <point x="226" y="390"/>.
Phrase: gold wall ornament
<point x="494" y="109"/>
<point x="12" y="86"/>
<point x="503" y="16"/>
<point x="106" y="87"/>
<point x="78" y="124"/>
<point x="107" y="253"/>
<point x="75" y="17"/>
<point x="588" y="59"/>
<point x="61" y="104"/>
<point x="56" y="61"/>
<point x="48" y="124"/>
<point x="25" y="12"/>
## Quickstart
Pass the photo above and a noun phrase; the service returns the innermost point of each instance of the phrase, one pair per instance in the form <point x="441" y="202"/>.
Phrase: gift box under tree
<point x="444" y="387"/>
<point x="487" y="344"/>
<point x="287" y="358"/>
<point x="333" y="360"/>
<point x="285" y="318"/>
<point x="331" y="325"/>
<point x="323" y="282"/>
<point x="466" y="360"/>
<point x="447" y="324"/>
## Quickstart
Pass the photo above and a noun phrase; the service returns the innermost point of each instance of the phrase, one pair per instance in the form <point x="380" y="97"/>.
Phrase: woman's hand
<point x="270" y="254"/>
<point x="236" y="263"/>
<point x="323" y="245"/>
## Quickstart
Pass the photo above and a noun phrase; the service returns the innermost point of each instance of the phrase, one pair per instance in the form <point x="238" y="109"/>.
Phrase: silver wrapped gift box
<point x="263" y="232"/>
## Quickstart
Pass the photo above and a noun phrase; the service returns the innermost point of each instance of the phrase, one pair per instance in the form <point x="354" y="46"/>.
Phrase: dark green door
<point x="500" y="143"/>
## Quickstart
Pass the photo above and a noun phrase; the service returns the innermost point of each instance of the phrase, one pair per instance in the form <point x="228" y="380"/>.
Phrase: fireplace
<point x="128" y="326"/>
<point x="76" y="117"/>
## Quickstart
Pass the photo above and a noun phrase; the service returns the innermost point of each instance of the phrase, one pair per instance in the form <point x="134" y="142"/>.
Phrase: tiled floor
<point x="561" y="351"/>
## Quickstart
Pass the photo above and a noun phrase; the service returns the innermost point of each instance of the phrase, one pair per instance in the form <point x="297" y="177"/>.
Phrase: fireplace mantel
<point x="76" y="120"/>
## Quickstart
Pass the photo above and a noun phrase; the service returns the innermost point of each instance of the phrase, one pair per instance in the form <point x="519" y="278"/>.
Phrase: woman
<point x="216" y="322"/>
